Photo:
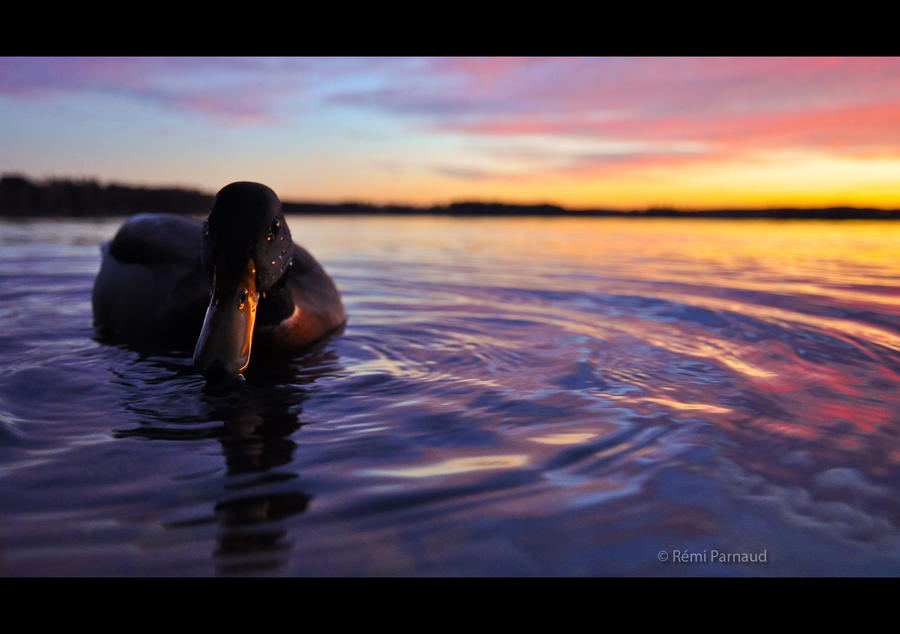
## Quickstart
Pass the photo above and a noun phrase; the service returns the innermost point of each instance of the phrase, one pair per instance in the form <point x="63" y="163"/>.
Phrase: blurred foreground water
<point x="601" y="397"/>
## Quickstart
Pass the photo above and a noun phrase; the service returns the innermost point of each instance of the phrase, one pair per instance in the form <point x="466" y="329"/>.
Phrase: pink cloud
<point x="865" y="127"/>
<point x="731" y="106"/>
<point x="229" y="91"/>
<point x="649" y="86"/>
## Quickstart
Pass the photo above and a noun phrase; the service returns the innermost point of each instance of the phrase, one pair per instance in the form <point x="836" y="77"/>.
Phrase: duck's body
<point x="151" y="290"/>
<point x="168" y="282"/>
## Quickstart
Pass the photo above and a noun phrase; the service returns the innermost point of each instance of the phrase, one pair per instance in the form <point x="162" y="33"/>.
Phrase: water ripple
<point x="515" y="396"/>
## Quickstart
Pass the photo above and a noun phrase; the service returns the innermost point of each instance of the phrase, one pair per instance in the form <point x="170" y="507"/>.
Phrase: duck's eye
<point x="242" y="298"/>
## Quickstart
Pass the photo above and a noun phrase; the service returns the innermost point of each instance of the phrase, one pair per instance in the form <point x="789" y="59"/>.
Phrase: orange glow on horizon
<point x="778" y="181"/>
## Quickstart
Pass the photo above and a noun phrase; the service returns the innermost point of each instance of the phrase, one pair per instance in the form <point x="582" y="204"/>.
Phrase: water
<point x="592" y="397"/>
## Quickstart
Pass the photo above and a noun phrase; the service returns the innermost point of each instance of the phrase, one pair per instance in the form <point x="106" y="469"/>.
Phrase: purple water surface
<point x="536" y="397"/>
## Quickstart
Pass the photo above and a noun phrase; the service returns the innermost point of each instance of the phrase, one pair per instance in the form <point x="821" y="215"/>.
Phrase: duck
<point x="227" y="289"/>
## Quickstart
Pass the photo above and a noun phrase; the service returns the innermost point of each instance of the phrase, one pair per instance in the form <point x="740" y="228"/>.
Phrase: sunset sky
<point x="580" y="132"/>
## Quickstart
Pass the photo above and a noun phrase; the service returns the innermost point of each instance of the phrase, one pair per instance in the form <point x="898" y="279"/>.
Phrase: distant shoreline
<point x="21" y="197"/>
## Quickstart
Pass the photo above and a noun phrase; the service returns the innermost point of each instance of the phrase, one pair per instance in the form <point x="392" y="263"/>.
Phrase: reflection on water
<point x="453" y="466"/>
<point x="253" y="423"/>
<point x="510" y="397"/>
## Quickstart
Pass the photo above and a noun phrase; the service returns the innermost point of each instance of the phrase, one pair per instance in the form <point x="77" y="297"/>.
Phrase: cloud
<point x="242" y="91"/>
<point x="467" y="174"/>
<point x="865" y="128"/>
<point x="663" y="111"/>
<point x="650" y="86"/>
<point x="732" y="107"/>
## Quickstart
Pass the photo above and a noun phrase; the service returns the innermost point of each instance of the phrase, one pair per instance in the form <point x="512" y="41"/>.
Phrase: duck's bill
<point x="223" y="348"/>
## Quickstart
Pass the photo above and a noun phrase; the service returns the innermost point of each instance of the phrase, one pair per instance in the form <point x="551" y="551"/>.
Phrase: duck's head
<point x="247" y="248"/>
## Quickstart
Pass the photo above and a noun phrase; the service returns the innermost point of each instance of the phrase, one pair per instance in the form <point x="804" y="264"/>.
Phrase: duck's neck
<point x="275" y="304"/>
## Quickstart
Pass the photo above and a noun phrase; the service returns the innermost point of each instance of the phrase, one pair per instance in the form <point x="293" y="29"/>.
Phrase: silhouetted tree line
<point x="20" y="197"/>
<point x="61" y="197"/>
<point x="455" y="209"/>
<point x="501" y="209"/>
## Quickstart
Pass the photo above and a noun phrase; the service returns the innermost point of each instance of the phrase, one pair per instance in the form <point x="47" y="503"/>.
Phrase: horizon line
<point x="598" y="208"/>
